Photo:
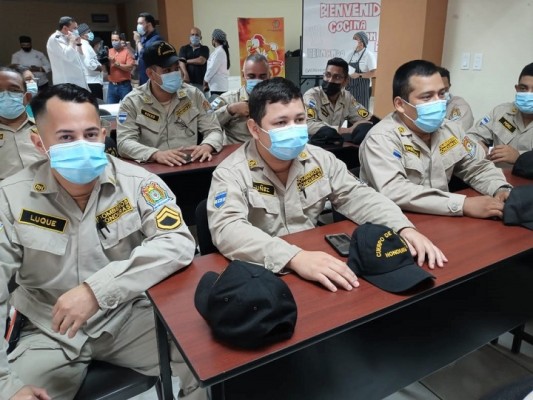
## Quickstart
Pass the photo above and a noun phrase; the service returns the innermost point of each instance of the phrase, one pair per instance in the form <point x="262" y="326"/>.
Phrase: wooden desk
<point x="366" y="343"/>
<point x="190" y="183"/>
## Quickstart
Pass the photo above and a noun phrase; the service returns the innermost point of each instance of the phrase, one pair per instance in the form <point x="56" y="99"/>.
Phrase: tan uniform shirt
<point x="144" y="125"/>
<point x="458" y="109"/>
<point x="504" y="125"/>
<point x="16" y="149"/>
<point x="248" y="206"/>
<point x="397" y="163"/>
<point x="53" y="246"/>
<point x="235" y="128"/>
<point x="321" y="112"/>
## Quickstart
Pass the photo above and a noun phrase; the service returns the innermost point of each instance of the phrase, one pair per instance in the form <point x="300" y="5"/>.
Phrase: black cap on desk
<point x="246" y="305"/>
<point x="518" y="208"/>
<point x="380" y="256"/>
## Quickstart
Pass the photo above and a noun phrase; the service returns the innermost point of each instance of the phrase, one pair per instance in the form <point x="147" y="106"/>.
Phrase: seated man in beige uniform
<point x="329" y="105"/>
<point x="457" y="109"/>
<point x="277" y="184"/>
<point x="508" y="128"/>
<point x="411" y="155"/>
<point x="16" y="149"/>
<point x="231" y="108"/>
<point x="85" y="235"/>
<point x="165" y="119"/>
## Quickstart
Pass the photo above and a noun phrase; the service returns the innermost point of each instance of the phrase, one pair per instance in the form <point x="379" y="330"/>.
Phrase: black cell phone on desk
<point x="340" y="242"/>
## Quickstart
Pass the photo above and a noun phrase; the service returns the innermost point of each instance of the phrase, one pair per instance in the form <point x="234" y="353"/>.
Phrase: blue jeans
<point x="115" y="93"/>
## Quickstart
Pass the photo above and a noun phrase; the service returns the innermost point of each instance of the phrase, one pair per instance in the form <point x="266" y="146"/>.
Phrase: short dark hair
<point x="400" y="82"/>
<point x="65" y="21"/>
<point x="16" y="69"/>
<point x="445" y="74"/>
<point x="148" y="18"/>
<point x="527" y="71"/>
<point x="273" y="90"/>
<point x="24" y="39"/>
<point x="64" y="91"/>
<point x="339" y="62"/>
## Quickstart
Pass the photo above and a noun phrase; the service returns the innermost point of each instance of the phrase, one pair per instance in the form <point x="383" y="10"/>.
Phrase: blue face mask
<point x="116" y="45"/>
<point x="171" y="81"/>
<point x="140" y="30"/>
<point x="250" y="84"/>
<point x="79" y="162"/>
<point x="11" y="104"/>
<point x="430" y="116"/>
<point x="287" y="142"/>
<point x="90" y="36"/>
<point x="524" y="102"/>
<point x="195" y="40"/>
<point x="31" y="87"/>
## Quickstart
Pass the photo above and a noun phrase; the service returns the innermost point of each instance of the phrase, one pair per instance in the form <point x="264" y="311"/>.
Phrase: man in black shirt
<point x="193" y="58"/>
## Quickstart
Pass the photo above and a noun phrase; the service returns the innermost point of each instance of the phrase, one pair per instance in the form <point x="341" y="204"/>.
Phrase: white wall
<point x="503" y="32"/>
<point x="209" y="14"/>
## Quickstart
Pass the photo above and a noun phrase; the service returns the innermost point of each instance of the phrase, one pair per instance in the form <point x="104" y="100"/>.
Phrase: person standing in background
<point x="193" y="60"/>
<point x="66" y="55"/>
<point x="36" y="61"/>
<point x="216" y="76"/>
<point x="93" y="68"/>
<point x="457" y="109"/>
<point x="144" y="36"/>
<point x="364" y="64"/>
<point x="121" y="63"/>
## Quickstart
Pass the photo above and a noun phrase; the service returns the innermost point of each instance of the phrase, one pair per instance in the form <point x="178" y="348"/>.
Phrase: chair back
<point x="202" y="229"/>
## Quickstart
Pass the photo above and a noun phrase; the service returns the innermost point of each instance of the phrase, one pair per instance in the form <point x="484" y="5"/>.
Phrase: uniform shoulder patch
<point x="217" y="103"/>
<point x="154" y="195"/>
<point x="470" y="146"/>
<point x="44" y="221"/>
<point x="397" y="154"/>
<point x="168" y="219"/>
<point x="455" y="114"/>
<point x="122" y="117"/>
<point x="311" y="103"/>
<point x="220" y="199"/>
<point x="311" y="113"/>
<point x="264" y="188"/>
<point x="206" y="105"/>
<point x="448" y="144"/>
<point x="150" y="115"/>
<point x="484" y="121"/>
<point x="507" y="125"/>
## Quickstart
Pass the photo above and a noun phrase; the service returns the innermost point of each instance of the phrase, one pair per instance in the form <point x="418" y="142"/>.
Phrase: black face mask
<point x="26" y="49"/>
<point x="331" y="88"/>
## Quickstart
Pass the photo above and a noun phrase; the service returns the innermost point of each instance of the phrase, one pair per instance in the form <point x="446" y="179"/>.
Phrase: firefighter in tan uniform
<point x="411" y="155"/>
<point x="329" y="105"/>
<point x="16" y="149"/>
<point x="457" y="109"/>
<point x="276" y="184"/>
<point x="231" y="108"/>
<point x="508" y="128"/>
<point x="84" y="240"/>
<point x="164" y="119"/>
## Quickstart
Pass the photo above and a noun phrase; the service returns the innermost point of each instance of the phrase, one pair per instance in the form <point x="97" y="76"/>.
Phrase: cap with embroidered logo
<point x="160" y="53"/>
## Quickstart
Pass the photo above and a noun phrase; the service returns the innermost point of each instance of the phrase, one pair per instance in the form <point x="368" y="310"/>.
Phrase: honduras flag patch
<point x="220" y="199"/>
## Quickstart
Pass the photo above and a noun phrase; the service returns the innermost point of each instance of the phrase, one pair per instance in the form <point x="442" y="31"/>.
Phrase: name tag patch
<point x="168" y="219"/>
<point x="309" y="178"/>
<point x="148" y="114"/>
<point x="183" y="109"/>
<point x="411" y="149"/>
<point x="114" y="213"/>
<point x="448" y="144"/>
<point x="264" y="188"/>
<point x="507" y="125"/>
<point x="44" y="221"/>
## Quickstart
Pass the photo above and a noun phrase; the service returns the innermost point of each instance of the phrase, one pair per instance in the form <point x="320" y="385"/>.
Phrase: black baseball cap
<point x="160" y="53"/>
<point x="380" y="256"/>
<point x="246" y="305"/>
<point x="524" y="165"/>
<point x="518" y="209"/>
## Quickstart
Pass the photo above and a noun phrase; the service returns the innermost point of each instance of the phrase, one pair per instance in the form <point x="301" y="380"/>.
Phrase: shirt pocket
<point x="414" y="168"/>
<point x="148" y="126"/>
<point x="112" y="235"/>
<point x="316" y="194"/>
<point x="188" y="121"/>
<point x="452" y="157"/>
<point x="268" y="204"/>
<point x="36" y="239"/>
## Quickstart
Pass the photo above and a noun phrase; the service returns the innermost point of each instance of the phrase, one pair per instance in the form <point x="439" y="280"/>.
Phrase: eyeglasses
<point x="333" y="77"/>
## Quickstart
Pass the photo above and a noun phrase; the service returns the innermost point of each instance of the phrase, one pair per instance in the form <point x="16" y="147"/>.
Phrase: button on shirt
<point x="399" y="164"/>
<point x="144" y="126"/>
<point x="321" y="112"/>
<point x="248" y="206"/>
